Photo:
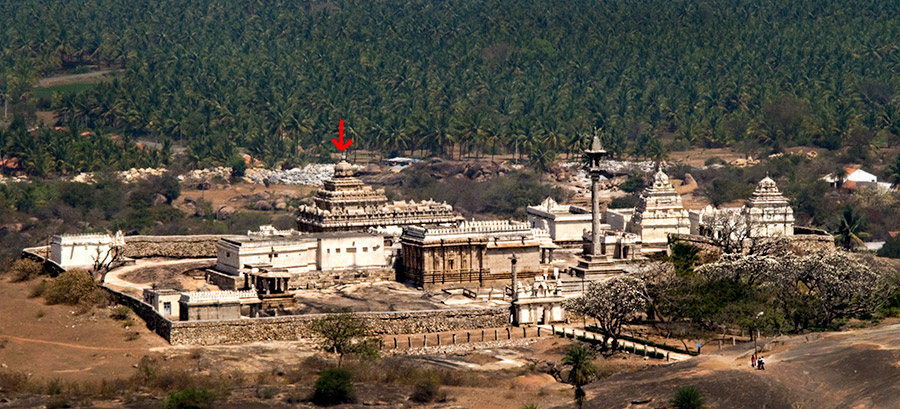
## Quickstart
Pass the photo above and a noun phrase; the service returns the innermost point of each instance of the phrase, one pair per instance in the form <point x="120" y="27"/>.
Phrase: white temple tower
<point x="768" y="213"/>
<point x="659" y="213"/>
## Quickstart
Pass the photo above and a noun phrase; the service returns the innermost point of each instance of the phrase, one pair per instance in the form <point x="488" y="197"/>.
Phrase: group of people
<point x="758" y="362"/>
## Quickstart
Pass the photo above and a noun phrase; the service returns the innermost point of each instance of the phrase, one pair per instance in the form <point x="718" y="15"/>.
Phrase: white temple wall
<point x="339" y="253"/>
<point x="79" y="251"/>
<point x="296" y="257"/>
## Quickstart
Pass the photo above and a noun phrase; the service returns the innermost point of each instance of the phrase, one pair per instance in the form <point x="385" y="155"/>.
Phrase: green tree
<point x="850" y="234"/>
<point x="579" y="358"/>
<point x="891" y="248"/>
<point x="345" y="333"/>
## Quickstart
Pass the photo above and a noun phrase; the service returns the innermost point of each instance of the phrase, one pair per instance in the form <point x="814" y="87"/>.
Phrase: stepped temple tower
<point x="768" y="212"/>
<point x="345" y="203"/>
<point x="659" y="213"/>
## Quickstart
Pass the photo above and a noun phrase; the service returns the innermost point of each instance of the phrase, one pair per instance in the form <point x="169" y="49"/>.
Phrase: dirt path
<point x="75" y="78"/>
<point x="69" y="345"/>
<point x="113" y="278"/>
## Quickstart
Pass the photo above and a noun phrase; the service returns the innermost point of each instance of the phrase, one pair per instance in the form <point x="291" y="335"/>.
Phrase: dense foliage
<point x="461" y="76"/>
<point x="334" y="386"/>
<point x="504" y="196"/>
<point x="794" y="293"/>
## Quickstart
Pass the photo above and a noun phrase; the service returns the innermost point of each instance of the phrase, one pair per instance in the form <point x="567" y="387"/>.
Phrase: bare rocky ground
<point x="853" y="369"/>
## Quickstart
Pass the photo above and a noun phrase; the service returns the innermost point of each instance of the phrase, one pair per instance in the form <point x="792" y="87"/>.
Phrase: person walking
<point x="753" y="360"/>
<point x="761" y="365"/>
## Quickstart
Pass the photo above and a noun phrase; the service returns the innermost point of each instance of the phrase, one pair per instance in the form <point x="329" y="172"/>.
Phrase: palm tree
<point x="583" y="370"/>
<point x="849" y="233"/>
<point x="688" y="397"/>
<point x="894" y="172"/>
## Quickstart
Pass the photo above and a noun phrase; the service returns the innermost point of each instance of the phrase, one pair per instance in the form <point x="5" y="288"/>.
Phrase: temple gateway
<point x="345" y="203"/>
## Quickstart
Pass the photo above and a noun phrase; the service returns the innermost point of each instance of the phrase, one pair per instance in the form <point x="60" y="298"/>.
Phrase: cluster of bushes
<point x="24" y="270"/>
<point x="73" y="287"/>
<point x="505" y="196"/>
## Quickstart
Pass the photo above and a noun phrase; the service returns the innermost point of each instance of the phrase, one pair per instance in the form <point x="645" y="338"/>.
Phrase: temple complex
<point x="766" y="214"/>
<point x="472" y="252"/>
<point x="274" y="261"/>
<point x="659" y="212"/>
<point x="345" y="203"/>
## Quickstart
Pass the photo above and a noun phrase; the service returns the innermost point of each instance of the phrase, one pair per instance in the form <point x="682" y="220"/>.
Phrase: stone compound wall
<point x="197" y="246"/>
<point x="293" y="327"/>
<point x="289" y="328"/>
<point x="810" y="243"/>
<point x="155" y="321"/>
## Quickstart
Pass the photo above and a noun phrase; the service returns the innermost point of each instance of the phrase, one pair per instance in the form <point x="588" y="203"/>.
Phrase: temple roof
<point x="767" y="195"/>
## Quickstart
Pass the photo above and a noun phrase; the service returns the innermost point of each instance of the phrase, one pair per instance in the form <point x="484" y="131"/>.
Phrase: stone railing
<point x="223" y="295"/>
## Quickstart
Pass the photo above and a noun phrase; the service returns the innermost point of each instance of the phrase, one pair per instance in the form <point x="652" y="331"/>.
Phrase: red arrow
<point x="339" y="143"/>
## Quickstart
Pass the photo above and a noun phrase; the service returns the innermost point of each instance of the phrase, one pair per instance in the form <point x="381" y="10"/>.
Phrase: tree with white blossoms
<point x="732" y="232"/>
<point x="813" y="290"/>
<point x="611" y="302"/>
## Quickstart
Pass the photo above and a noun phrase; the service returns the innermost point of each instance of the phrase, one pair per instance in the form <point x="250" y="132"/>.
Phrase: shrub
<point x="24" y="269"/>
<point x="634" y="183"/>
<point x="13" y="381"/>
<point x="120" y="312"/>
<point x="38" y="289"/>
<point x="715" y="160"/>
<point x="333" y="387"/>
<point x="191" y="399"/>
<point x="891" y="248"/>
<point x="624" y="202"/>
<point x="428" y="390"/>
<point x="41" y="313"/>
<point x="132" y="335"/>
<point x="265" y="392"/>
<point x="688" y="397"/>
<point x="238" y="167"/>
<point x="75" y="287"/>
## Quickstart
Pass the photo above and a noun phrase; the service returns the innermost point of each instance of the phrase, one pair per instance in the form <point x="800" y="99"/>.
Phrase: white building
<point x="659" y="213"/>
<point x="83" y="250"/>
<point x="350" y="250"/>
<point x="565" y="223"/>
<point x="539" y="302"/>
<point x="766" y="214"/>
<point x="164" y="301"/>
<point x="268" y="248"/>
<point x="295" y="253"/>
<point x="856" y="178"/>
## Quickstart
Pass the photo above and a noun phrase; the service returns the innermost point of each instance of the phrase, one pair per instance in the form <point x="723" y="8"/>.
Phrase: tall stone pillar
<point x="595" y="213"/>
<point x="515" y="285"/>
<point x="595" y="154"/>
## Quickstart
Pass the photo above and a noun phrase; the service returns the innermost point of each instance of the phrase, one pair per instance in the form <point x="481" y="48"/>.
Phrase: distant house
<point x="855" y="179"/>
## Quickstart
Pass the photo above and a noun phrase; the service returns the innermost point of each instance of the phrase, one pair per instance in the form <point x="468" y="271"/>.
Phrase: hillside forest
<point x="451" y="77"/>
<point x="194" y="83"/>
